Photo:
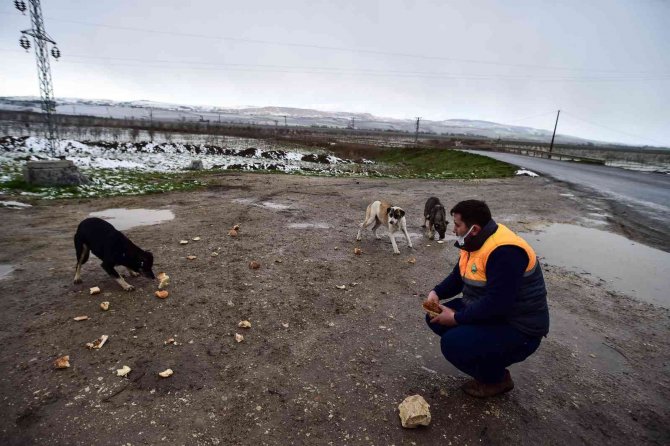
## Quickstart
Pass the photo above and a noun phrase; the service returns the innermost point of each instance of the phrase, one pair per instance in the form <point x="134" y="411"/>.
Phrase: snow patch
<point x="526" y="172"/>
<point x="14" y="204"/>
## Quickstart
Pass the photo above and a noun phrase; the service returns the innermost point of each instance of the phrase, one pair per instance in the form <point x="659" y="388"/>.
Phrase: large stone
<point x="53" y="173"/>
<point x="414" y="411"/>
<point x="196" y="165"/>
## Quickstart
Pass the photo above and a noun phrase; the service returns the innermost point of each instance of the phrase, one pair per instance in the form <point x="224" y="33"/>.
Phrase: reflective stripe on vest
<point x="473" y="264"/>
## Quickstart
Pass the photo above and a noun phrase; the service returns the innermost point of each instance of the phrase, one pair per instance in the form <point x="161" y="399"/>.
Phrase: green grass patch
<point x="441" y="164"/>
<point x="428" y="163"/>
<point x="108" y="183"/>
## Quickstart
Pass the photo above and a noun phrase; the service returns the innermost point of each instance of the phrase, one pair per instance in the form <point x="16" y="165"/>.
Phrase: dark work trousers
<point x="483" y="351"/>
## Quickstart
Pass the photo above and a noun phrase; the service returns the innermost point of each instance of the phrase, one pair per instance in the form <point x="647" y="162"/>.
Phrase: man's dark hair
<point x="472" y="212"/>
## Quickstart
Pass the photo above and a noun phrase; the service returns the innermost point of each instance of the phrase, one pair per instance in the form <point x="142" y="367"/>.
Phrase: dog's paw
<point x="77" y="280"/>
<point x="133" y="273"/>
<point x="129" y="288"/>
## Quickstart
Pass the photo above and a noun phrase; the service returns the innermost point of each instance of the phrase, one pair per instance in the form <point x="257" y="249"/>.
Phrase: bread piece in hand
<point x="432" y="308"/>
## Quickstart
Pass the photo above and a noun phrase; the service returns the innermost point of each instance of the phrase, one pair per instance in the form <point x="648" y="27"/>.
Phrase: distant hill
<point x="143" y="109"/>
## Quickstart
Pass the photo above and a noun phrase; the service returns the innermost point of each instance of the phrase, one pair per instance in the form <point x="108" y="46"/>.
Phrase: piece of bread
<point x="98" y="343"/>
<point x="166" y="373"/>
<point x="62" y="363"/>
<point x="431" y="308"/>
<point x="162" y="294"/>
<point x="164" y="280"/>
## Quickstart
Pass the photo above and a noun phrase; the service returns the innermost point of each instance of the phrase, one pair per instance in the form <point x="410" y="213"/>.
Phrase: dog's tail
<point x="79" y="248"/>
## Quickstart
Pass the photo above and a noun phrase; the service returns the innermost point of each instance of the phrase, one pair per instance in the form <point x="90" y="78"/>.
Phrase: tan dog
<point x="393" y="217"/>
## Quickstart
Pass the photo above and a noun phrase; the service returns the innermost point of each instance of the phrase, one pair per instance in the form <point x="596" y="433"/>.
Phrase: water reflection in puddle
<point x="123" y="218"/>
<point x="271" y="205"/>
<point x="5" y="270"/>
<point x="309" y="226"/>
<point x="627" y="267"/>
<point x="594" y="222"/>
<point x="265" y="204"/>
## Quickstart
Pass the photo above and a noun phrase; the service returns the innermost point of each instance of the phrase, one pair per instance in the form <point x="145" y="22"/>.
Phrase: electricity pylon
<point x="42" y="41"/>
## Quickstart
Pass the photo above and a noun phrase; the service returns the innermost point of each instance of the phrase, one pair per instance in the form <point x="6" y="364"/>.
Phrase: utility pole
<point x="416" y="135"/>
<point x="285" y="125"/>
<point x="353" y="123"/>
<point x="42" y="41"/>
<point x="551" y="147"/>
<point x="46" y="173"/>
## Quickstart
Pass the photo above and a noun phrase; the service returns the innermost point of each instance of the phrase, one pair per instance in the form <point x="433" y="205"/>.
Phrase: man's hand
<point x="445" y="318"/>
<point x="432" y="297"/>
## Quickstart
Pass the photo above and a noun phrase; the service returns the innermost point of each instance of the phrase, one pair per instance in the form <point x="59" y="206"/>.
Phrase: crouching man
<point x="502" y="315"/>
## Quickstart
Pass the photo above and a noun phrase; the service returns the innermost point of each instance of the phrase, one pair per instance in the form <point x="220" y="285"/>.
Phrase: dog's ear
<point x="389" y="210"/>
<point x="401" y="213"/>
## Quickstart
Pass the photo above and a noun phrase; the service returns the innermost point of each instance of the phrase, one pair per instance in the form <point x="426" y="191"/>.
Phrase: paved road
<point x="648" y="192"/>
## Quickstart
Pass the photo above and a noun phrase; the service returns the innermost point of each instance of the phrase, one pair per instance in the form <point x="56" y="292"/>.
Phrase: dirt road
<point x="320" y="365"/>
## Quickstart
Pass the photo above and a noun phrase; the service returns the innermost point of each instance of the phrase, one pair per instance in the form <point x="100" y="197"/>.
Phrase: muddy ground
<point x="348" y="357"/>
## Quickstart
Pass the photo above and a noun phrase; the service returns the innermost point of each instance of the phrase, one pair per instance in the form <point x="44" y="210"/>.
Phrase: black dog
<point x="113" y="248"/>
<point x="436" y="218"/>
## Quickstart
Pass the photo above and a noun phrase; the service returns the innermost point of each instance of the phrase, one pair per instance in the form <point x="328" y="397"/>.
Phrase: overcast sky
<point x="604" y="63"/>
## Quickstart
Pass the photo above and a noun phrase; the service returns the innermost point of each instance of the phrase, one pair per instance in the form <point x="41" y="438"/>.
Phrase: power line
<point x="572" y="115"/>
<point x="529" y="117"/>
<point x="336" y="71"/>
<point x="341" y="49"/>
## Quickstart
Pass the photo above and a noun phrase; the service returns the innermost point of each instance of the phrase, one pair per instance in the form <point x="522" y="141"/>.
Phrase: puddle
<point x="626" y="266"/>
<point x="123" y="218"/>
<point x="265" y="204"/>
<point x="14" y="204"/>
<point x="309" y="226"/>
<point x="594" y="222"/>
<point x="271" y="205"/>
<point x="5" y="270"/>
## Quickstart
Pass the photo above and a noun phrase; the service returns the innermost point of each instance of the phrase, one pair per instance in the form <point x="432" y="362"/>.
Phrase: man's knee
<point x="437" y="328"/>
<point x="454" y="350"/>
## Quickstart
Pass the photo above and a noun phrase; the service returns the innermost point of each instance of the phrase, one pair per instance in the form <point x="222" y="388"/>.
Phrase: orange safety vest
<point x="473" y="264"/>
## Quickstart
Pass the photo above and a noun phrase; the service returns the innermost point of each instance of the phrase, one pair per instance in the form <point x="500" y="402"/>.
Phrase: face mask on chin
<point x="461" y="240"/>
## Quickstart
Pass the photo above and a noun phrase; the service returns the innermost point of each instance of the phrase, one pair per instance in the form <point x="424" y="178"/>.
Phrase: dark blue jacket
<point x="507" y="297"/>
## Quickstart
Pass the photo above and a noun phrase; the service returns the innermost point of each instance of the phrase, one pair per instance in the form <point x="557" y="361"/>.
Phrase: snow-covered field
<point x="243" y="154"/>
<point x="116" y="166"/>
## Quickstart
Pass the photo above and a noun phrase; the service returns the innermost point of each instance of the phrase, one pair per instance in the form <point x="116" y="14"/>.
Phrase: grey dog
<point x="435" y="217"/>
